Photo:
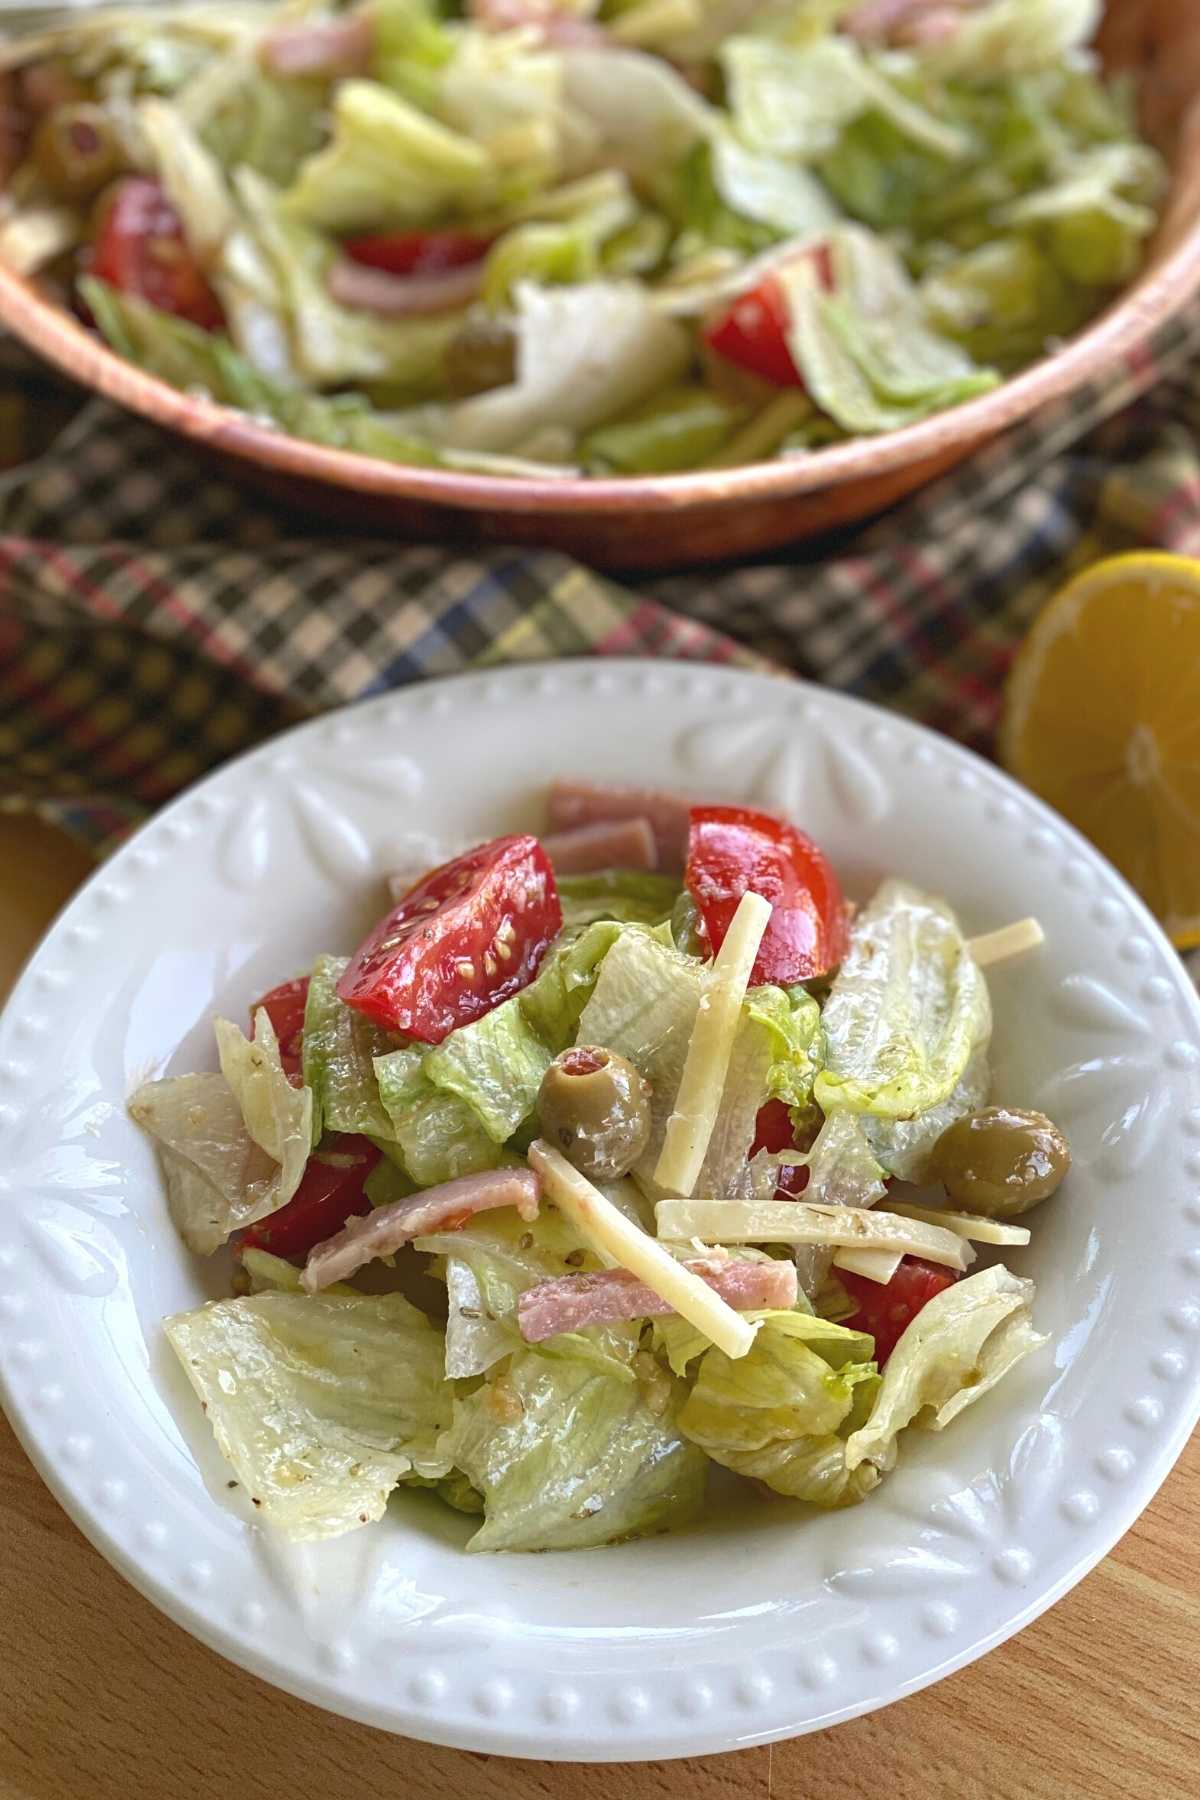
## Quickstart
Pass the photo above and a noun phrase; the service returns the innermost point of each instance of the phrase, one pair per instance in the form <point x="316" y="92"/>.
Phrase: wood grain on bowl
<point x="678" y="520"/>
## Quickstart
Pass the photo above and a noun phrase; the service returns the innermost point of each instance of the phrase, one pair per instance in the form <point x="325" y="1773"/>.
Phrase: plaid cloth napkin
<point x="155" y="619"/>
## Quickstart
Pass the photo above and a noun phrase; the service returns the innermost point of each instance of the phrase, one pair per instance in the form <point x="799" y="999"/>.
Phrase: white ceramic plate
<point x="762" y="1621"/>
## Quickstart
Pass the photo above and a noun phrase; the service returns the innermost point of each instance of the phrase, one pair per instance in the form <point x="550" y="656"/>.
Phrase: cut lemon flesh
<point x="1102" y="719"/>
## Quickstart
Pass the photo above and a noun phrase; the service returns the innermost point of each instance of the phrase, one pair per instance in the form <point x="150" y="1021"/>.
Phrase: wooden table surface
<point x="101" y="1698"/>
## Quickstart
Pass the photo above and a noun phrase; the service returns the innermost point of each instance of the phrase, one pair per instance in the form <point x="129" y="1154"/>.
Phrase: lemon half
<point x="1102" y="719"/>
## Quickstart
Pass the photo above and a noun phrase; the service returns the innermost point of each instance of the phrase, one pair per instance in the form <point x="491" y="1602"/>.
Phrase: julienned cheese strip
<point x="799" y="1222"/>
<point x="967" y="1225"/>
<point x="1010" y="940"/>
<point x="702" y="1083"/>
<point x="607" y="1229"/>
<point x="876" y="1265"/>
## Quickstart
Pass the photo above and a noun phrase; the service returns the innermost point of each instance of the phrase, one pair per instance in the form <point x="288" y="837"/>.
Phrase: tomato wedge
<point x="885" y="1309"/>
<point x="732" y="851"/>
<point x="284" y="1006"/>
<point x="467" y="936"/>
<point x="773" y="1132"/>
<point x="752" y="330"/>
<point x="330" y="1192"/>
<point x="140" y="249"/>
<point x="417" y="252"/>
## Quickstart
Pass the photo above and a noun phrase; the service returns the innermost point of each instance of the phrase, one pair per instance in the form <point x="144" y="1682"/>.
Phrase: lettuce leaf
<point x="781" y="1413"/>
<point x="631" y="111"/>
<point x="567" y="1456"/>
<point x="191" y="176"/>
<point x="643" y="1007"/>
<point x="769" y="189"/>
<point x="340" y="1046"/>
<point x="505" y="92"/>
<point x="1012" y="37"/>
<point x="331" y="344"/>
<point x="439" y="1135"/>
<point x="961" y="1343"/>
<point x="867" y="352"/>
<point x="269" y="1274"/>
<point x="903" y="1146"/>
<point x="842" y="1169"/>
<point x="556" y="997"/>
<point x="411" y="48"/>
<point x="795" y="101"/>
<point x="1098" y="213"/>
<point x="907" y="1011"/>
<point x="632" y="896"/>
<point x="793" y="1019"/>
<point x="387" y="164"/>
<point x="233" y="1146"/>
<point x="495" y="1065"/>
<point x="585" y="354"/>
<point x="217" y="1178"/>
<point x="320" y="1405"/>
<point x="677" y="430"/>
<point x="488" y="1266"/>
<point x="278" y="1116"/>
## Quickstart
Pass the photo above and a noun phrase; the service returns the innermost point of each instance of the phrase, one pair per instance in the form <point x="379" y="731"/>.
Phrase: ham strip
<point x="364" y="289"/>
<point x="553" y="27"/>
<point x="575" y="803"/>
<point x="570" y="1302"/>
<point x="320" y="47"/>
<point x="905" y="21"/>
<point x="623" y="844"/>
<point x="442" y="1208"/>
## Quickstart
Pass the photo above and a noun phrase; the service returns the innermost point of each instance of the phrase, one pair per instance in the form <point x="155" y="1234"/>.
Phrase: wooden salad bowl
<point x="655" y="522"/>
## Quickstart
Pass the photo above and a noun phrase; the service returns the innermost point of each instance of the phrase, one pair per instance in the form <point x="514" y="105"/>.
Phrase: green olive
<point x="75" y="150"/>
<point x="481" y="355"/>
<point x="1000" y="1162"/>
<point x="595" y="1107"/>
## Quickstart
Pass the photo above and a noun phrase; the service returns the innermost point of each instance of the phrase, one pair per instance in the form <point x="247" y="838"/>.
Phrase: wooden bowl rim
<point x="1127" y="324"/>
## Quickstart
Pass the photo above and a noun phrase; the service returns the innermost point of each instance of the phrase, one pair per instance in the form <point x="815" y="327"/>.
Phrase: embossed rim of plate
<point x="892" y="1639"/>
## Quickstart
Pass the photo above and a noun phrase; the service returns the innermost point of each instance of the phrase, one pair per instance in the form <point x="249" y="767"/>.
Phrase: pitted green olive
<point x="75" y="150"/>
<point x="1000" y="1161"/>
<point x="595" y="1107"/>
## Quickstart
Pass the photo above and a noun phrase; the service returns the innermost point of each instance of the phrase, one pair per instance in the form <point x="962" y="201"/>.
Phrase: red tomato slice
<point x="466" y="937"/>
<point x="884" y="1309"/>
<point x="330" y="1192"/>
<point x="417" y="252"/>
<point x="732" y="851"/>
<point x="140" y="249"/>
<point x="285" y="1008"/>
<point x="752" y="329"/>
<point x="773" y="1132"/>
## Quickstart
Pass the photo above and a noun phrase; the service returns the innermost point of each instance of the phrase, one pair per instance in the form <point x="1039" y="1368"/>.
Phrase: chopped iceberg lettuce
<point x="489" y="1264"/>
<point x="340" y="1046"/>
<point x="961" y="1343"/>
<point x="631" y="896"/>
<point x="217" y="1178"/>
<point x="278" y="1116"/>
<point x="567" y="1456"/>
<point x="495" y="1065"/>
<point x="320" y="1405"/>
<point x="907" y="1011"/>
<point x="439" y="1135"/>
<point x="585" y="354"/>
<point x="842" y="1168"/>
<point x="782" y="1413"/>
<point x="793" y="1019"/>
<point x="795" y="101"/>
<point x="867" y="352"/>
<point x="903" y="1146"/>
<point x="233" y="1146"/>
<point x="644" y="1007"/>
<point x="387" y="164"/>
<point x="557" y="995"/>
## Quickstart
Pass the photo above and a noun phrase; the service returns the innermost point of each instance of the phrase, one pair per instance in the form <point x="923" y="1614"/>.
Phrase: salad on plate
<point x="697" y="1154"/>
<point x="562" y="237"/>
